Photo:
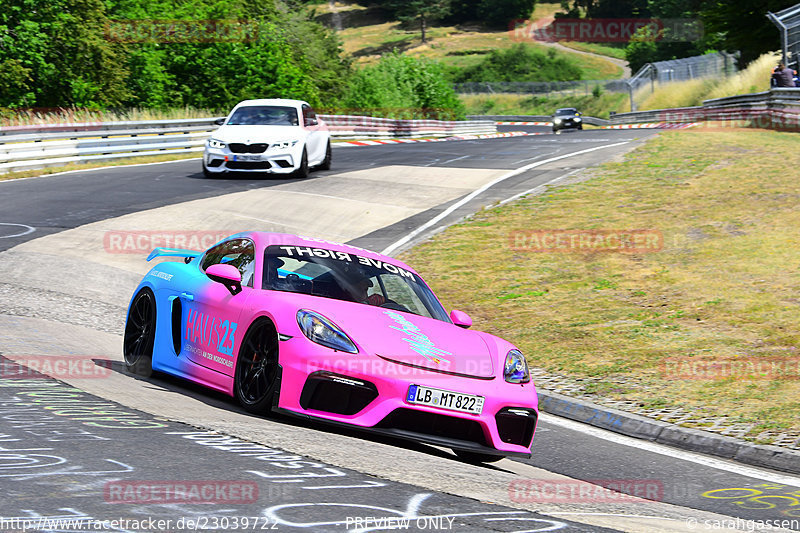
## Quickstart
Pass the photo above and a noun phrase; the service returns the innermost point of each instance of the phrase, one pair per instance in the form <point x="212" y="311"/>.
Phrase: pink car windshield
<point x="348" y="277"/>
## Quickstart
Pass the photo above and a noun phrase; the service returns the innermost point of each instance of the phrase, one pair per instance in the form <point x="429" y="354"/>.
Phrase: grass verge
<point x="596" y="48"/>
<point x="520" y="104"/>
<point x="723" y="290"/>
<point x="754" y="78"/>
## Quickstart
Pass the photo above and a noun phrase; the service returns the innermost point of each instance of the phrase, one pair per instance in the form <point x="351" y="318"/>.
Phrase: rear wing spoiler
<point x="188" y="255"/>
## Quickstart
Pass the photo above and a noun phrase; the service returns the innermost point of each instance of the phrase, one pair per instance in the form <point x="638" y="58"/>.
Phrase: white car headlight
<point x="322" y="331"/>
<point x="282" y="145"/>
<point x="577" y="119"/>
<point x="557" y="121"/>
<point x="213" y="143"/>
<point x="516" y="368"/>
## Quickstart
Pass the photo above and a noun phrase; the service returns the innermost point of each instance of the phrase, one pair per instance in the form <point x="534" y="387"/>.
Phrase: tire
<point x="140" y="334"/>
<point x="207" y="173"/>
<point x="580" y="127"/>
<point x="472" y="457"/>
<point x="302" y="170"/>
<point x="255" y="378"/>
<point x="326" y="163"/>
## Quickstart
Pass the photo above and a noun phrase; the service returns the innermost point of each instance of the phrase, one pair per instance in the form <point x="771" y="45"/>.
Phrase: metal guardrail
<point x="594" y="121"/>
<point x="778" y="108"/>
<point x="32" y="147"/>
<point x="40" y="146"/>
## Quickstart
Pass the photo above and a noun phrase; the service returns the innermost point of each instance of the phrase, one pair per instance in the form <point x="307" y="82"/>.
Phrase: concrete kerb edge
<point x="691" y="439"/>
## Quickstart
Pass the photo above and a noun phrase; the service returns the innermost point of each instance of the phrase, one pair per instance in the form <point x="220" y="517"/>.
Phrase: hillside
<point x="366" y="34"/>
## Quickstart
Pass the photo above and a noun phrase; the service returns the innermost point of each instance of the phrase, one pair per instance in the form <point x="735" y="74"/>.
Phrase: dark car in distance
<point x="567" y="118"/>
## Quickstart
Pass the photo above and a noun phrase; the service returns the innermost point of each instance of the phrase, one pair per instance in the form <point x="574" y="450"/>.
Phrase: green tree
<point x="642" y="48"/>
<point x="54" y="53"/>
<point x="496" y="13"/>
<point x="606" y="8"/>
<point x="743" y="25"/>
<point x="15" y="83"/>
<point x="422" y="11"/>
<point x="285" y="55"/>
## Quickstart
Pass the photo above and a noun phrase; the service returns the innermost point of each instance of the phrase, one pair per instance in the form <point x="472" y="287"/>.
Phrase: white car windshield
<point x="264" y="115"/>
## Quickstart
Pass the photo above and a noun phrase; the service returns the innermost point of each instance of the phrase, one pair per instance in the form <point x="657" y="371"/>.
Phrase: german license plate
<point x="247" y="158"/>
<point x="444" y="399"/>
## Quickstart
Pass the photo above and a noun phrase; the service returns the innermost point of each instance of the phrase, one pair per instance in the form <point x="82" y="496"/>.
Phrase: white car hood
<point x="258" y="134"/>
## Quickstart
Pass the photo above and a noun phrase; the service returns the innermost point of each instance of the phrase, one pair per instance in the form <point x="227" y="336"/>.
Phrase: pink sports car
<point x="332" y="332"/>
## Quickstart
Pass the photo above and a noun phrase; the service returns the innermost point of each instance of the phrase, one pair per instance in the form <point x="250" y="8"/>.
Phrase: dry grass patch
<point x="455" y="46"/>
<point x="755" y="78"/>
<point x="26" y="117"/>
<point x="724" y="288"/>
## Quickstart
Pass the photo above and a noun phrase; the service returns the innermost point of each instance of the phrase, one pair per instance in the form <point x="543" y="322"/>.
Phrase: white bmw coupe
<point x="274" y="136"/>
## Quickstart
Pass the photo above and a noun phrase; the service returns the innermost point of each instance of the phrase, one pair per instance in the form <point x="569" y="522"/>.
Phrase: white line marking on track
<point x="532" y="158"/>
<point x="395" y="245"/>
<point x="692" y="457"/>
<point x="454" y="159"/>
<point x="540" y="188"/>
<point x="29" y="229"/>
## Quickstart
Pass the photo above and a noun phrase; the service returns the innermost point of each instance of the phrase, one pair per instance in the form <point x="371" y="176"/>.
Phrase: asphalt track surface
<point x="54" y="465"/>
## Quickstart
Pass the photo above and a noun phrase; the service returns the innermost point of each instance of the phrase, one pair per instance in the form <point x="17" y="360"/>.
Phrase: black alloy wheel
<point x="140" y="334"/>
<point x="255" y="378"/>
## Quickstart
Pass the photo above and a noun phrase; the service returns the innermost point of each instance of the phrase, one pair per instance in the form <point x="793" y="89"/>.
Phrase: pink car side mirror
<point x="460" y="318"/>
<point x="228" y="275"/>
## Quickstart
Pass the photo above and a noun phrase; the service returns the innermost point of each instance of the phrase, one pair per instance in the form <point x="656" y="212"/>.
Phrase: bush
<point x="521" y="63"/>
<point x="402" y="87"/>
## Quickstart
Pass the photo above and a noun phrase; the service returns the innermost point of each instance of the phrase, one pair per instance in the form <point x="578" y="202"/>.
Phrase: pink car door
<point x="210" y="330"/>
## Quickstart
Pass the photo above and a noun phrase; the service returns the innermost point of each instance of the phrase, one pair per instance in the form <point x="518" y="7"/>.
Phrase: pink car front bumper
<point x="370" y="392"/>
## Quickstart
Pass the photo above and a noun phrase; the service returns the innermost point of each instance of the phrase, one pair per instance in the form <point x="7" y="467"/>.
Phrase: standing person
<point x="783" y="76"/>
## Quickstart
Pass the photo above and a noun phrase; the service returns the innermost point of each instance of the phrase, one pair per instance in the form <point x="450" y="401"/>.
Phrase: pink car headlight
<point x="322" y="331"/>
<point x="516" y="368"/>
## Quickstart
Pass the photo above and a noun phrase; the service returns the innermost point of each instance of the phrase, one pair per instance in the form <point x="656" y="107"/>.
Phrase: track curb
<point x="691" y="439"/>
